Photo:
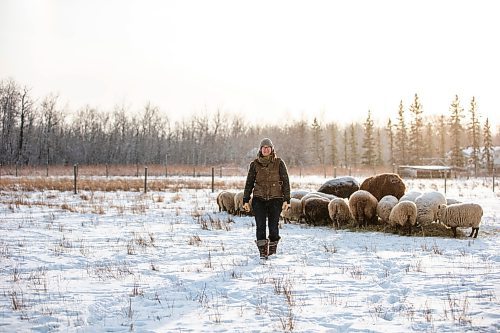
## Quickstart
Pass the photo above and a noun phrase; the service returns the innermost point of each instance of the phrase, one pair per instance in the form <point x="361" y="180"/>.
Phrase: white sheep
<point x="427" y="206"/>
<point x="294" y="212"/>
<point x="404" y="213"/>
<point x="339" y="212"/>
<point x="225" y="200"/>
<point x="450" y="201"/>
<point x="363" y="207"/>
<point x="461" y="215"/>
<point x="385" y="206"/>
<point x="410" y="196"/>
<point x="298" y="194"/>
<point x="238" y="203"/>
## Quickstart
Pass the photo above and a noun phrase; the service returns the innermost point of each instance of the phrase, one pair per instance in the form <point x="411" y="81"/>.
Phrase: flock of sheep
<point x="379" y="199"/>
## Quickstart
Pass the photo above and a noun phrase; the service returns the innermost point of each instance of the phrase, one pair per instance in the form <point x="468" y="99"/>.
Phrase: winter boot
<point x="273" y="245"/>
<point x="263" y="246"/>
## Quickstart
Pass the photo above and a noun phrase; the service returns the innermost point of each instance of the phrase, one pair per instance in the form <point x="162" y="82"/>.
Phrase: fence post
<point x="220" y="176"/>
<point x="166" y="165"/>
<point x="145" y="179"/>
<point x="493" y="179"/>
<point x="445" y="177"/>
<point x="75" y="173"/>
<point x="335" y="172"/>
<point x="213" y="174"/>
<point x="107" y="171"/>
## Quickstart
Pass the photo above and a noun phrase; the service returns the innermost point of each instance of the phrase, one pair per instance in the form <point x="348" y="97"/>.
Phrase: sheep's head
<point x="440" y="211"/>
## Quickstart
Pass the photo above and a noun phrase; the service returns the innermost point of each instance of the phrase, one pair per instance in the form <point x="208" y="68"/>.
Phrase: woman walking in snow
<point x="268" y="179"/>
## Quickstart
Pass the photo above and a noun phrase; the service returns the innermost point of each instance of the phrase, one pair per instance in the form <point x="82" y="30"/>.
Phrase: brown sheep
<point x="363" y="207"/>
<point x="384" y="184"/>
<point x="316" y="211"/>
<point x="313" y="195"/>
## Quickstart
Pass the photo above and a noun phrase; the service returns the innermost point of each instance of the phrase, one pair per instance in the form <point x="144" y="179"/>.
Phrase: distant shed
<point x="424" y="171"/>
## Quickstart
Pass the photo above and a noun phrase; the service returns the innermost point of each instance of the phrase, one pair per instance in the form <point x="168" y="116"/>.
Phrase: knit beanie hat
<point x="266" y="142"/>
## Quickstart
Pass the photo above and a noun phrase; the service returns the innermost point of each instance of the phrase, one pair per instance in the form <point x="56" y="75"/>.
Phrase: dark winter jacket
<point x="267" y="181"/>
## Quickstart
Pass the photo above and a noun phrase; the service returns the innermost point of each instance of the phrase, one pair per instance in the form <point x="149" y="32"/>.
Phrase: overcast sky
<point x="272" y="61"/>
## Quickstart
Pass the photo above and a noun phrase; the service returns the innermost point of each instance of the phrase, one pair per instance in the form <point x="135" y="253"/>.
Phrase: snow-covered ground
<point x="170" y="262"/>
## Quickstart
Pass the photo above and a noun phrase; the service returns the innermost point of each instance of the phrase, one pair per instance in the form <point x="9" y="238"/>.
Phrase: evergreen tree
<point x="333" y="144"/>
<point x="353" y="144"/>
<point x="369" y="150"/>
<point x="416" y="130"/>
<point x="457" y="158"/>
<point x="488" y="147"/>
<point x="442" y="133"/>
<point x="428" y="142"/>
<point x="380" y="159"/>
<point x="401" y="136"/>
<point x="318" y="142"/>
<point x="474" y="134"/>
<point x="299" y="138"/>
<point x="347" y="158"/>
<point x="390" y="136"/>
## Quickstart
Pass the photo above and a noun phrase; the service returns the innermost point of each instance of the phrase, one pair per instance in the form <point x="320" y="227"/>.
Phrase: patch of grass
<point x="195" y="240"/>
<point x="430" y="230"/>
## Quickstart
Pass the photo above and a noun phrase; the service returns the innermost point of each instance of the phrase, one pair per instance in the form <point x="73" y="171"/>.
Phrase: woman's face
<point x="266" y="150"/>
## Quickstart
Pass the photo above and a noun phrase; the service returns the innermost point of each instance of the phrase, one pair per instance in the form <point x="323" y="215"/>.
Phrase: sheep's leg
<point x="454" y="232"/>
<point x="409" y="229"/>
<point x="474" y="232"/>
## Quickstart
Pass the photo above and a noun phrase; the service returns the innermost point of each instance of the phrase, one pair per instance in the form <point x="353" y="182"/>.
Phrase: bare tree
<point x="9" y="113"/>
<point x="51" y="120"/>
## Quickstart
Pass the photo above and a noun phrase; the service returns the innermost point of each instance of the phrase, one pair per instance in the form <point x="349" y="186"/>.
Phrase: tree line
<point x="43" y="133"/>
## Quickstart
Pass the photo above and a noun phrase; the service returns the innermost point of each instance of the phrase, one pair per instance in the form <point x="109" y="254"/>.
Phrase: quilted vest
<point x="267" y="180"/>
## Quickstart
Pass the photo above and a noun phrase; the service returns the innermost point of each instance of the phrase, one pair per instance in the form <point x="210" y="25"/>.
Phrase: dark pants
<point x="270" y="210"/>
